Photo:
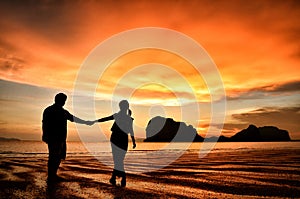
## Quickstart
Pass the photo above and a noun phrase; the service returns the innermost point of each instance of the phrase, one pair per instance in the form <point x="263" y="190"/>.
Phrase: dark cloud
<point x="54" y="20"/>
<point x="9" y="62"/>
<point x="268" y="90"/>
<point x="286" y="118"/>
<point x="8" y="66"/>
<point x="248" y="95"/>
<point x="17" y="92"/>
<point x="278" y="88"/>
<point x="283" y="117"/>
<point x="62" y="16"/>
<point x="285" y="114"/>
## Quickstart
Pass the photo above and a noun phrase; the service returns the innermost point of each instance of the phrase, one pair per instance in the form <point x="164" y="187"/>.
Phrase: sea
<point x="78" y="148"/>
<point x="147" y="156"/>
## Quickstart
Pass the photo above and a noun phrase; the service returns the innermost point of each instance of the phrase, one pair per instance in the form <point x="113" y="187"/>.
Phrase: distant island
<point x="160" y="129"/>
<point x="9" y="139"/>
<point x="256" y="134"/>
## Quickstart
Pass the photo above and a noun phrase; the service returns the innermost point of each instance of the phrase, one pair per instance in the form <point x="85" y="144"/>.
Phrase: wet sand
<point x="242" y="174"/>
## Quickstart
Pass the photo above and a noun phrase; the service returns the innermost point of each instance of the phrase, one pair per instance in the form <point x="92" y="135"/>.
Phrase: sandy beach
<point x="248" y="174"/>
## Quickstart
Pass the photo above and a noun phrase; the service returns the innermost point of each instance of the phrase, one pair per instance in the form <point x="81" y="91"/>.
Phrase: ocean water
<point x="39" y="149"/>
<point x="146" y="157"/>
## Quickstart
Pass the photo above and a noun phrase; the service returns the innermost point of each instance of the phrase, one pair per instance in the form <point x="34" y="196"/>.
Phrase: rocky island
<point x="261" y="134"/>
<point x="160" y="129"/>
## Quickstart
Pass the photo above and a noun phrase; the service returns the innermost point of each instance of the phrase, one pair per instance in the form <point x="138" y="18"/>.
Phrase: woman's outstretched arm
<point x="104" y="119"/>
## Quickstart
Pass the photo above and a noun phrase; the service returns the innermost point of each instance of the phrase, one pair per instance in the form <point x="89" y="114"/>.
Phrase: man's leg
<point x="53" y="160"/>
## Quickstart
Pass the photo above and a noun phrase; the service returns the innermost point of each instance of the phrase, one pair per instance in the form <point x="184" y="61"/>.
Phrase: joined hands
<point x="90" y="123"/>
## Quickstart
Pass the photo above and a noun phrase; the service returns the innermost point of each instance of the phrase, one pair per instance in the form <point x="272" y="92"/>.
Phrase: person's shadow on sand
<point x="58" y="189"/>
<point x="67" y="189"/>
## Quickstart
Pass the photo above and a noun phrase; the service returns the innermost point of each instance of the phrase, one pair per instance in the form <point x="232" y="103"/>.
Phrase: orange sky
<point x="255" y="46"/>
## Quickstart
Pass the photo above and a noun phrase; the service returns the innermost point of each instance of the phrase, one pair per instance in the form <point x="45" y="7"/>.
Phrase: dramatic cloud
<point x="285" y="118"/>
<point x="10" y="63"/>
<point x="288" y="88"/>
<point x="59" y="35"/>
<point x="282" y="117"/>
<point x="254" y="44"/>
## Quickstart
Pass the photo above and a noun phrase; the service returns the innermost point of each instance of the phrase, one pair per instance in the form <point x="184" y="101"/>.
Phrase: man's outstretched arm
<point x="81" y="121"/>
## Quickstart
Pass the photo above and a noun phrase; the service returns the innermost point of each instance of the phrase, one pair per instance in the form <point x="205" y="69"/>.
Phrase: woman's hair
<point x="124" y="105"/>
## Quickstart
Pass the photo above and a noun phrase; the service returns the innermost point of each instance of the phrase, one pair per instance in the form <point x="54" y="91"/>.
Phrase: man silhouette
<point x="55" y="133"/>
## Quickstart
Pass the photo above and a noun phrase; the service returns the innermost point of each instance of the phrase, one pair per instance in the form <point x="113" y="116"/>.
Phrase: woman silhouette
<point x="119" y="139"/>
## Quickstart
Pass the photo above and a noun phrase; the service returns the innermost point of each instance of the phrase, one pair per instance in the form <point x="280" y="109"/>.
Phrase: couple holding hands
<point x="54" y="126"/>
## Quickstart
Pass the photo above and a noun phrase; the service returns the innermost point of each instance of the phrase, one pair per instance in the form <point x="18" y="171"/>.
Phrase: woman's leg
<point x="122" y="171"/>
<point x="118" y="158"/>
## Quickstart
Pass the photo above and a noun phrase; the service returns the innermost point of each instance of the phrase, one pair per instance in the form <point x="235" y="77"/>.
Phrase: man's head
<point x="60" y="99"/>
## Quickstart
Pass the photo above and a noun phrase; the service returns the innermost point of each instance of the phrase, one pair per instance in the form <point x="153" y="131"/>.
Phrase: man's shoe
<point x="112" y="181"/>
<point x="60" y="179"/>
<point x="53" y="179"/>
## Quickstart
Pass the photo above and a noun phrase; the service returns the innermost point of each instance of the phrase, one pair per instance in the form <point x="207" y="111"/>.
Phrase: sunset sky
<point x="254" y="44"/>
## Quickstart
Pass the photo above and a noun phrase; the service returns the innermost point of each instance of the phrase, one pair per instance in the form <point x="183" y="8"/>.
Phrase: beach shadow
<point x="84" y="183"/>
